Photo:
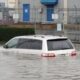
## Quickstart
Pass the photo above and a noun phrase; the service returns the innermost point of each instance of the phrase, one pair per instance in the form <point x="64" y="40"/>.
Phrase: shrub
<point x="8" y="33"/>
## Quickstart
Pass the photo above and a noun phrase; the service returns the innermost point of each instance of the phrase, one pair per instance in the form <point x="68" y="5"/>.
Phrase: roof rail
<point x="42" y="36"/>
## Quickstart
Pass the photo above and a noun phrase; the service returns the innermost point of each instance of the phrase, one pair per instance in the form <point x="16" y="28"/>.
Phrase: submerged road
<point x="24" y="67"/>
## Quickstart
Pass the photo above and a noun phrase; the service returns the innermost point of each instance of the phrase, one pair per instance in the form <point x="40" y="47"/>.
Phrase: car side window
<point x="30" y="44"/>
<point x="12" y="43"/>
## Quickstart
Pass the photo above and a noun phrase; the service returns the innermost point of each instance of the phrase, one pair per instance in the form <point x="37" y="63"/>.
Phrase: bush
<point x="8" y="33"/>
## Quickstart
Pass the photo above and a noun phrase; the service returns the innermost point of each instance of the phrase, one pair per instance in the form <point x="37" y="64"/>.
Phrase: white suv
<point x="44" y="45"/>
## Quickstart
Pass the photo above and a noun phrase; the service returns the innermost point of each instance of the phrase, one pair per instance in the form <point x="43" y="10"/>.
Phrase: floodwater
<point x="32" y="67"/>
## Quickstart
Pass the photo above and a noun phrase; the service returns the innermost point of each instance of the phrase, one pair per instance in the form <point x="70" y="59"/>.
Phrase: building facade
<point x="49" y="11"/>
<point x="7" y="10"/>
<point x="45" y="11"/>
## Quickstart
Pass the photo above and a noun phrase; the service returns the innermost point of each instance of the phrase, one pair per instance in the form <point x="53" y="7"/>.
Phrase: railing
<point x="39" y="15"/>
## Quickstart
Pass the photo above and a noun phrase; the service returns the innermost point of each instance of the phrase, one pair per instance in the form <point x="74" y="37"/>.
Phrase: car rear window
<point x="59" y="44"/>
<point x="29" y="44"/>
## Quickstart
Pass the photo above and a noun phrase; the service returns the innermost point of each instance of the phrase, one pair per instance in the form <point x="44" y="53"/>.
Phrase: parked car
<point x="44" y="45"/>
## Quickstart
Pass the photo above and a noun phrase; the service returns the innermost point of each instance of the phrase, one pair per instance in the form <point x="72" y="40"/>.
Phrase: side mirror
<point x="5" y="46"/>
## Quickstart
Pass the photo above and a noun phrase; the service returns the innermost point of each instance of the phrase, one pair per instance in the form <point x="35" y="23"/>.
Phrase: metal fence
<point x="39" y="15"/>
<point x="72" y="31"/>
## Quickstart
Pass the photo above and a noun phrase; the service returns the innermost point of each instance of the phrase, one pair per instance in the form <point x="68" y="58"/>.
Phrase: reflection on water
<point x="32" y="67"/>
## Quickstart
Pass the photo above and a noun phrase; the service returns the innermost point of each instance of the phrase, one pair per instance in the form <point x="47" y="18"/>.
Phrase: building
<point x="37" y="10"/>
<point x="4" y="13"/>
<point x="44" y="11"/>
<point x="2" y="5"/>
<point x="8" y="10"/>
<point x="49" y="11"/>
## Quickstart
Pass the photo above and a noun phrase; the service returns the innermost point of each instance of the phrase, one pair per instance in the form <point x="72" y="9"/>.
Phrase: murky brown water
<point x="32" y="67"/>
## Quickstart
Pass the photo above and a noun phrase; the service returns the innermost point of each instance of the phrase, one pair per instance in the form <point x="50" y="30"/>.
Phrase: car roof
<point x="42" y="37"/>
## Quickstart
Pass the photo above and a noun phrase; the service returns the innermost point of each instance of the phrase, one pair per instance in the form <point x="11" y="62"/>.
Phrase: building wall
<point x="66" y="14"/>
<point x="58" y="9"/>
<point x="38" y="11"/>
<point x="33" y="7"/>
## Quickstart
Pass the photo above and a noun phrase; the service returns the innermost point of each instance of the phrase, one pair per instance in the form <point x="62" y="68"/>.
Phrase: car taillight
<point x="74" y="53"/>
<point x="48" y="55"/>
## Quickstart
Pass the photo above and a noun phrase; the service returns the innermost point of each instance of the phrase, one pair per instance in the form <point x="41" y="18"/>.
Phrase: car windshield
<point x="59" y="44"/>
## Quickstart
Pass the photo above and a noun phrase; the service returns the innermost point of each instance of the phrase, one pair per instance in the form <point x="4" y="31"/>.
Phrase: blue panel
<point x="26" y="12"/>
<point x="49" y="2"/>
<point x="50" y="11"/>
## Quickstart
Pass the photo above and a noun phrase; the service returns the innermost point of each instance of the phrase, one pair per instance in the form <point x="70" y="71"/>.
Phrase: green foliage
<point x="8" y="33"/>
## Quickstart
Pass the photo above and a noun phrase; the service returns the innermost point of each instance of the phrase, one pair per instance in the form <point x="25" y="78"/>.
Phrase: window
<point x="59" y="44"/>
<point x="12" y="43"/>
<point x="29" y="44"/>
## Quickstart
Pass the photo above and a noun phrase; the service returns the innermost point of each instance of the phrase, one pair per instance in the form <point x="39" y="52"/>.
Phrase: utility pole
<point x="76" y="16"/>
<point x="7" y="3"/>
<point x="65" y="11"/>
